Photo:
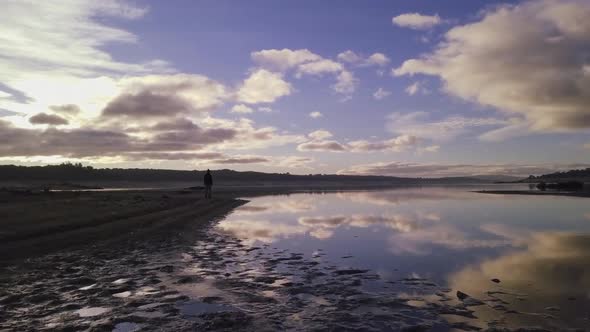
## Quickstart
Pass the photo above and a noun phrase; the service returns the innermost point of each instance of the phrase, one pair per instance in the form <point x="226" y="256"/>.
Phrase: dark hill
<point x="77" y="173"/>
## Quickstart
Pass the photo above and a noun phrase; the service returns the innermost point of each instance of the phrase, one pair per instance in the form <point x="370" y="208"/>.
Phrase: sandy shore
<point x="44" y="222"/>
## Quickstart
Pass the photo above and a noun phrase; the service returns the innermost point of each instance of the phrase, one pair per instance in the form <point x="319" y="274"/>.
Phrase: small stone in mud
<point x="496" y="280"/>
<point x="461" y="295"/>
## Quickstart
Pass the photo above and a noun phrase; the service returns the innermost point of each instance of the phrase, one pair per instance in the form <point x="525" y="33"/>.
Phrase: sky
<point x="385" y="87"/>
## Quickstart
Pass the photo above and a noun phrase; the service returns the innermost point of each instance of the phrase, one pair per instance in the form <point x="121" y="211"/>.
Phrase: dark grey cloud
<point x="67" y="109"/>
<point x="50" y="119"/>
<point x="166" y="95"/>
<point x="71" y="143"/>
<point x="176" y="124"/>
<point x="174" y="155"/>
<point x="241" y="160"/>
<point x="197" y="135"/>
<point x="146" y="104"/>
<point x="321" y="146"/>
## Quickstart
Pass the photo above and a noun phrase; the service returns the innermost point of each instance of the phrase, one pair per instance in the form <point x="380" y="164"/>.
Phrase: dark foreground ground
<point x="35" y="223"/>
<point x="148" y="260"/>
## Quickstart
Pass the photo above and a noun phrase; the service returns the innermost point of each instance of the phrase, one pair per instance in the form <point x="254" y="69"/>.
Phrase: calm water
<point x="538" y="247"/>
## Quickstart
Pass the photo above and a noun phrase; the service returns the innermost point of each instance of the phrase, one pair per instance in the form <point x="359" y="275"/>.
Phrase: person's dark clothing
<point x="208" y="181"/>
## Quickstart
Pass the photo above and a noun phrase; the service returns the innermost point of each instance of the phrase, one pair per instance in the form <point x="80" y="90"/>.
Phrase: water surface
<point x="537" y="247"/>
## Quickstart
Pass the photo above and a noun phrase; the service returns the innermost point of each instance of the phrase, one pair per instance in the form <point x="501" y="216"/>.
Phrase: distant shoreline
<point x="584" y="194"/>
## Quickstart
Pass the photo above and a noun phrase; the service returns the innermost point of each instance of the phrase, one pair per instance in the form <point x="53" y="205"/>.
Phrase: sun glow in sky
<point x="387" y="87"/>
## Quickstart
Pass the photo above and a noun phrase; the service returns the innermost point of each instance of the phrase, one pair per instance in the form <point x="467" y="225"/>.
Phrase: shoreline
<point x="583" y="194"/>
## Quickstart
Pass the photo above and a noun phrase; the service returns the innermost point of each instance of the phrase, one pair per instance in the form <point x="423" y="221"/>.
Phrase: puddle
<point x="127" y="327"/>
<point x="196" y="308"/>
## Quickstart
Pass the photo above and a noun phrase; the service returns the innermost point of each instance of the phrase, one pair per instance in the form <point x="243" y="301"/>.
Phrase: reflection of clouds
<point x="321" y="233"/>
<point x="421" y="241"/>
<point x="264" y="231"/>
<point x="320" y="227"/>
<point x="277" y="206"/>
<point x="393" y="197"/>
<point x="555" y="262"/>
<point x="398" y="223"/>
<point x="557" y="265"/>
<point x="245" y="209"/>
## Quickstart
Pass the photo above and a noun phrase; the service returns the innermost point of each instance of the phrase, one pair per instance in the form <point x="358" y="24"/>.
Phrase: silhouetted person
<point x="208" y="181"/>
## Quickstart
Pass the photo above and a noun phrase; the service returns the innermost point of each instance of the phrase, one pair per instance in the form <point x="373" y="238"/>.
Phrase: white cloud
<point x="345" y="83"/>
<point x="283" y="59"/>
<point x="241" y="108"/>
<point x="48" y="45"/>
<point x="315" y="115"/>
<point x="60" y="59"/>
<point x="319" y="142"/>
<point x="305" y="62"/>
<point x="415" y="88"/>
<point x="375" y="59"/>
<point x="378" y="59"/>
<point x="416" y="21"/>
<point x="529" y="59"/>
<point x="320" y="134"/>
<point x="420" y="125"/>
<point x="396" y="144"/>
<point x="349" y="56"/>
<point x="319" y="67"/>
<point x="381" y="93"/>
<point x="263" y="86"/>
